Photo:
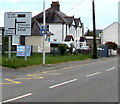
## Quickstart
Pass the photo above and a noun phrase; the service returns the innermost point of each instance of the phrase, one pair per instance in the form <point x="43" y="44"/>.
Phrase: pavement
<point x="9" y="72"/>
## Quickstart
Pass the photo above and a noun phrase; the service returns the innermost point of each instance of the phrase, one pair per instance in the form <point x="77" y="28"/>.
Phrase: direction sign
<point x="17" y="23"/>
<point x="43" y="30"/>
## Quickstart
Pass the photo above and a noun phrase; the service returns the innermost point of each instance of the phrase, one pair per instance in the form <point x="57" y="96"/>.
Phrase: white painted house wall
<point x="61" y="30"/>
<point x="110" y="33"/>
<point x="56" y="29"/>
<point x="64" y="31"/>
<point x="78" y="34"/>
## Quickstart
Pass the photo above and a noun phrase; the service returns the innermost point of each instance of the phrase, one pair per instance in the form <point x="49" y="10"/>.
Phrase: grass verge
<point x="36" y="59"/>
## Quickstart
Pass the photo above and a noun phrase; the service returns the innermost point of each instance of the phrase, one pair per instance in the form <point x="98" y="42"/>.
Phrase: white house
<point x="110" y="33"/>
<point x="61" y="28"/>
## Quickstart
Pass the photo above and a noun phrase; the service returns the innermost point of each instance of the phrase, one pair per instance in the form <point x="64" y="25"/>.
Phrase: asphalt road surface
<point x="89" y="82"/>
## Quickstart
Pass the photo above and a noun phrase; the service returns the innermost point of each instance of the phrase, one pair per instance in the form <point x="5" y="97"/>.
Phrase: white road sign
<point x="17" y="23"/>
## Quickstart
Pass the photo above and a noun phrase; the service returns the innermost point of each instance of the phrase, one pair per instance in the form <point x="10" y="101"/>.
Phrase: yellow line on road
<point x="48" y="71"/>
<point x="7" y="83"/>
<point x="67" y="67"/>
<point x="24" y="78"/>
<point x="13" y="81"/>
<point x="35" y="76"/>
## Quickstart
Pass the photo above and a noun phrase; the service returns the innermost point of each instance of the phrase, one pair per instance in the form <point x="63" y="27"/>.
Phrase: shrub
<point x="62" y="48"/>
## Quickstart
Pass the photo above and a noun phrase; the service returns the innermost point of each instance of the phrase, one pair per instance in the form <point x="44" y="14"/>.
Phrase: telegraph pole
<point x="44" y="34"/>
<point x="94" y="33"/>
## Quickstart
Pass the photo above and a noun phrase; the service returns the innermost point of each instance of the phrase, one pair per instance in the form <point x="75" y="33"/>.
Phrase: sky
<point x="106" y="11"/>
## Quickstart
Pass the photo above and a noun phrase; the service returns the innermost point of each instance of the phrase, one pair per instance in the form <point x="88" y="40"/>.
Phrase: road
<point x="89" y="82"/>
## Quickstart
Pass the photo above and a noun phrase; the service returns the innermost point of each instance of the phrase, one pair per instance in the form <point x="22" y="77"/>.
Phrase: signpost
<point x="17" y="23"/>
<point x="44" y="23"/>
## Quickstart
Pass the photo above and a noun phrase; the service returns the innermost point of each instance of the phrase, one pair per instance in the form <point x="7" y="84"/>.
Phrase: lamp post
<point x="94" y="33"/>
<point x="44" y="34"/>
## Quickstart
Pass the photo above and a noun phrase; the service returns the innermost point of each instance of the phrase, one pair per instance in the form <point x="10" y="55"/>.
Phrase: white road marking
<point x="57" y="85"/>
<point x="110" y="69"/>
<point x="13" y="99"/>
<point x="93" y="74"/>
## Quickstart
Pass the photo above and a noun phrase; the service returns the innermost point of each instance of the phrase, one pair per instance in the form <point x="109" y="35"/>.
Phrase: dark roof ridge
<point x="41" y="13"/>
<point x="58" y="14"/>
<point x="111" y="25"/>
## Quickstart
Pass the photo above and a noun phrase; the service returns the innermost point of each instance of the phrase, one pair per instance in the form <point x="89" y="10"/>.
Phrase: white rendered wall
<point x="56" y="29"/>
<point x="37" y="43"/>
<point x="111" y="33"/>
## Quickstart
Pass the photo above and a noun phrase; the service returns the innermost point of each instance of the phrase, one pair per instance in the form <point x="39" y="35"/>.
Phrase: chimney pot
<point x="55" y="5"/>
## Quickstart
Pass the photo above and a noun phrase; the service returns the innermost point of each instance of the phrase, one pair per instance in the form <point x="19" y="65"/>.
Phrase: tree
<point x="112" y="45"/>
<point x="4" y="44"/>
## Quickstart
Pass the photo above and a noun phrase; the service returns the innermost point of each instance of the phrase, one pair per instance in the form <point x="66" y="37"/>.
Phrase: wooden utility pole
<point x="94" y="33"/>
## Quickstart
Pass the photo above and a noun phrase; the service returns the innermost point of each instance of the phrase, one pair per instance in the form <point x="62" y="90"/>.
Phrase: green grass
<point x="36" y="59"/>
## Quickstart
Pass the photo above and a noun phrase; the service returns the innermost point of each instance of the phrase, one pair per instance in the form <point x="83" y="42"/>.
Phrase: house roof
<point x="99" y="31"/>
<point x="90" y="33"/>
<point x="54" y="15"/>
<point x="69" y="38"/>
<point x="111" y="25"/>
<point x="77" y="21"/>
<point x="69" y="19"/>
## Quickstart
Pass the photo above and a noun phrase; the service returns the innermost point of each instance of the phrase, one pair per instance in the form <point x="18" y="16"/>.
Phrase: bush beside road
<point x="36" y="59"/>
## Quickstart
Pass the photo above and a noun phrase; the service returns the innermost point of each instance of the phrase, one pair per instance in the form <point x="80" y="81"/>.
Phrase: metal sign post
<point x="25" y="50"/>
<point x="44" y="34"/>
<point x="9" y="47"/>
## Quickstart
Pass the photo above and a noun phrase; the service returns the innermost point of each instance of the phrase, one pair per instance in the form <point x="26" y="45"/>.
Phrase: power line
<point x="76" y="6"/>
<point x="86" y="6"/>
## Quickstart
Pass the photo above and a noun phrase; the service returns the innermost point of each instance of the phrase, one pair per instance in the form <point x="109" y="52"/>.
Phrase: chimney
<point x="55" y="5"/>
